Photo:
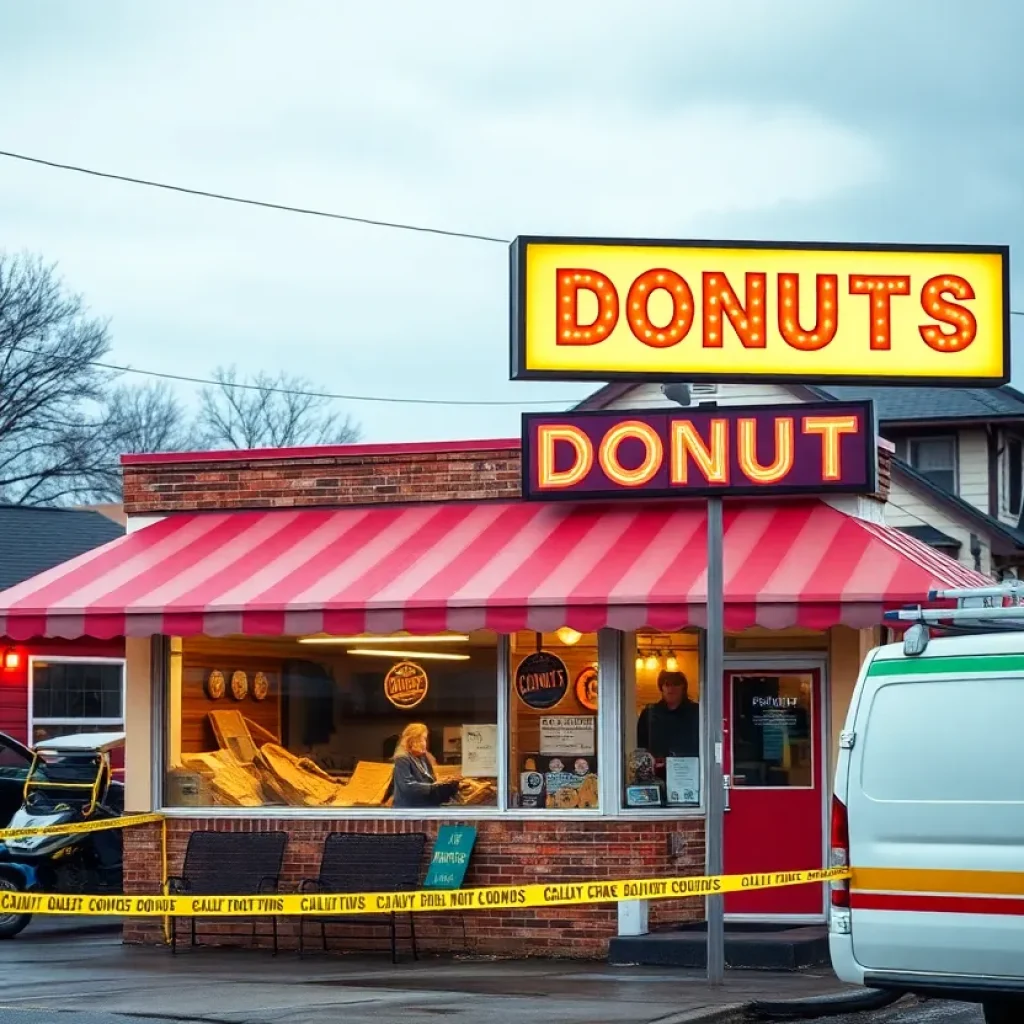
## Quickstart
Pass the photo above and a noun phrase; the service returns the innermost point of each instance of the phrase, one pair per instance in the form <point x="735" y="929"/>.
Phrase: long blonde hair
<point x="410" y="732"/>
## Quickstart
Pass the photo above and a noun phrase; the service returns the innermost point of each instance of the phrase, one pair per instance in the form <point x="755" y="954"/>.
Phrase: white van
<point x="928" y="809"/>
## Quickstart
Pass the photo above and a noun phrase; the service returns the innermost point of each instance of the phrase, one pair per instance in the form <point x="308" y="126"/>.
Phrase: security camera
<point x="678" y="393"/>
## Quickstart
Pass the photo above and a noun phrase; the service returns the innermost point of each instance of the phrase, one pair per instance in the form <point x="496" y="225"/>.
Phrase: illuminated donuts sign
<point x="707" y="311"/>
<point x="732" y="450"/>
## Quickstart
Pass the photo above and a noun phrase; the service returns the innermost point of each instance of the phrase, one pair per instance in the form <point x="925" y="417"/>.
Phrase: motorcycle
<point x="70" y="780"/>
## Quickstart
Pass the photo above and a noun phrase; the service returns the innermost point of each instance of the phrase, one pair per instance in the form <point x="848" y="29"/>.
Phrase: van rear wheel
<point x="1003" y="1011"/>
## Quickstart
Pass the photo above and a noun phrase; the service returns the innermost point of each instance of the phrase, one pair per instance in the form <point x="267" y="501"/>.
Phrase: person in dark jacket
<point x="416" y="782"/>
<point x="670" y="728"/>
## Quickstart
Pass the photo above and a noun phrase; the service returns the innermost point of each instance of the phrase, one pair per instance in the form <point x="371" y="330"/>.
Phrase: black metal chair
<point x="229" y="864"/>
<point x="355" y="862"/>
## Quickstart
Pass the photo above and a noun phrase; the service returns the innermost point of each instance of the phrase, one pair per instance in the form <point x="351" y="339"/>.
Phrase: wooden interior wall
<point x="200" y="656"/>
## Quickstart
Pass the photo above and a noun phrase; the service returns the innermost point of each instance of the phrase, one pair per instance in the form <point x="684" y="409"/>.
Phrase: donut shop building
<point x="538" y="603"/>
<point x="270" y="599"/>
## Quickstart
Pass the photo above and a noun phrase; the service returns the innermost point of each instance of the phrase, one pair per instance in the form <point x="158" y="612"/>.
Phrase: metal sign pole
<point x="714" y="684"/>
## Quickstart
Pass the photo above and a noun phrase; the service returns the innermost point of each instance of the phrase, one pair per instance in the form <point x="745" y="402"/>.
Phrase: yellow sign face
<point x="619" y="310"/>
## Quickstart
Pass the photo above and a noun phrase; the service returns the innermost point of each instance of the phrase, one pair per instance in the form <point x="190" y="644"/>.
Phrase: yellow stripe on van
<point x="968" y="883"/>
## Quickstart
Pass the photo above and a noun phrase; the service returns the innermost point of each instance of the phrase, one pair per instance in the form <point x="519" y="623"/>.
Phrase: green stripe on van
<point x="929" y="666"/>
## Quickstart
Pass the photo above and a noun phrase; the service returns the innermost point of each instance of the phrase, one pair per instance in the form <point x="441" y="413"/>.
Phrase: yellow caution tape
<point x="494" y="897"/>
<point x="74" y="827"/>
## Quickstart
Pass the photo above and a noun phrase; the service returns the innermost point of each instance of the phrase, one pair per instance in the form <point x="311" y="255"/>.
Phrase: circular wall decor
<point x="406" y="685"/>
<point x="542" y="680"/>
<point x="215" y="685"/>
<point x="586" y="687"/>
<point x="260" y="686"/>
<point x="239" y="685"/>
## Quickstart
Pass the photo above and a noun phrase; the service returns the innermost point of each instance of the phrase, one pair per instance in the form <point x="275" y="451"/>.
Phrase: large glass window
<point x="395" y="721"/>
<point x="553" y="726"/>
<point x="72" y="696"/>
<point x="661" y="721"/>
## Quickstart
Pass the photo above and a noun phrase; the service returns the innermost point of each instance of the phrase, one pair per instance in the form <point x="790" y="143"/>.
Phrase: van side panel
<point x="935" y="794"/>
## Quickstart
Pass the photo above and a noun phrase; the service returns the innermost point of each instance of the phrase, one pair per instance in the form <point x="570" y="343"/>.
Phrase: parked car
<point x="15" y="761"/>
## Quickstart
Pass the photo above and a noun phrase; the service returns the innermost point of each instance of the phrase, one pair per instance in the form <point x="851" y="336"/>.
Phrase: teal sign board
<point x="450" y="859"/>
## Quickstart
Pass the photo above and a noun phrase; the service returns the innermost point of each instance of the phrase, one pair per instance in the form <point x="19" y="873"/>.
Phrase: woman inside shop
<point x="416" y="782"/>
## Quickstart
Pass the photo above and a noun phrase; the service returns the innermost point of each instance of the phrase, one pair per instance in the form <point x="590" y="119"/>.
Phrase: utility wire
<point x="305" y="211"/>
<point x="308" y="212"/>
<point x="326" y="394"/>
<point x="314" y="394"/>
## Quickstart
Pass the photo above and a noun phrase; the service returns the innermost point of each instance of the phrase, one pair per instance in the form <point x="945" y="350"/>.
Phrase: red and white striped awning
<point x="462" y="566"/>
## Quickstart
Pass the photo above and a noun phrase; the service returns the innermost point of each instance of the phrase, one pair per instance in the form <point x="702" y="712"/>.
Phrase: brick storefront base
<point x="506" y="853"/>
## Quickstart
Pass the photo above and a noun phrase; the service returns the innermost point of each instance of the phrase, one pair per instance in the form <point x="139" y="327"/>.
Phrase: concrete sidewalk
<point x="98" y="975"/>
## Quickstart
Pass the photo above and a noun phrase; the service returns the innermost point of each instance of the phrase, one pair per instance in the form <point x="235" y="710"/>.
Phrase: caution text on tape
<point x="74" y="827"/>
<point x="503" y="897"/>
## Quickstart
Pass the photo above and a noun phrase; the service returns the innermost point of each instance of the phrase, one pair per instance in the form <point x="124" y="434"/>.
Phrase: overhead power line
<point x="245" y="386"/>
<point x="305" y="211"/>
<point x="310" y="212"/>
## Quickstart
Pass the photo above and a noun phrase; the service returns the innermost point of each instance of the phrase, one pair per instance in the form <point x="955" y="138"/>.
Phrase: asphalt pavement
<point x="931" y="1012"/>
<point x="94" y="979"/>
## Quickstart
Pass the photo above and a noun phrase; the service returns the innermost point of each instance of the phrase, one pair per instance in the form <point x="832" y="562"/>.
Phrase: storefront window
<point x="330" y="722"/>
<point x="553" y="723"/>
<point x="75" y="696"/>
<point x="661" y="721"/>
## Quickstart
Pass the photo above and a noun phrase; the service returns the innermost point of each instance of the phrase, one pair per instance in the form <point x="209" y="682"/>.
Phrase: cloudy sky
<point x="853" y="120"/>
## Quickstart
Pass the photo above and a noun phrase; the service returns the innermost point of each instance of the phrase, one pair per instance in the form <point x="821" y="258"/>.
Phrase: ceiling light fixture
<point x="439" y="638"/>
<point x="568" y="636"/>
<point x="424" y="655"/>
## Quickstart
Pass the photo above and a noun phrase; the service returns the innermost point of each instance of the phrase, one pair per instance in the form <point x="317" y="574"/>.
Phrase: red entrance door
<point x="773" y="761"/>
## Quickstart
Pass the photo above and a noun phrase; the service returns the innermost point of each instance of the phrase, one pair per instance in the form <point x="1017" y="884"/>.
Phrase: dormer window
<point x="934" y="458"/>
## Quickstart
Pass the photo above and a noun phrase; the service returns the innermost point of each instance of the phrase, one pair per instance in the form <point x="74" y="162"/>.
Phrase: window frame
<point x="613" y="648"/>
<point x="73" y="659"/>
<point x="954" y="441"/>
<point x="1007" y="504"/>
<point x="698" y="810"/>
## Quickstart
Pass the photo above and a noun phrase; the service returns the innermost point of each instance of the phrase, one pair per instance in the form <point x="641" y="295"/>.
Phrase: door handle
<point x="726" y="785"/>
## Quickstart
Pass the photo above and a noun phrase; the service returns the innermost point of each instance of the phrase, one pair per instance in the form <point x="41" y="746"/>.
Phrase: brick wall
<point x="338" y="479"/>
<point x="323" y="480"/>
<point x="507" y="852"/>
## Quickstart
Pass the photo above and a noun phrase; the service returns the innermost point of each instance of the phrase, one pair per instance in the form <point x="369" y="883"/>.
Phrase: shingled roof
<point x="924" y="404"/>
<point x="35" y="539"/>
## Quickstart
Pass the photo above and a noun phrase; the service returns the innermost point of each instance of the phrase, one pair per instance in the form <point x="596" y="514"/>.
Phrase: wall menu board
<point x="567" y="734"/>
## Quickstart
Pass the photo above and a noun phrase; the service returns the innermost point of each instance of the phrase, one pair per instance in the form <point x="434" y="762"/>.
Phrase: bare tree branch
<point x="146" y="418"/>
<point x="233" y="417"/>
<point x="48" y="344"/>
